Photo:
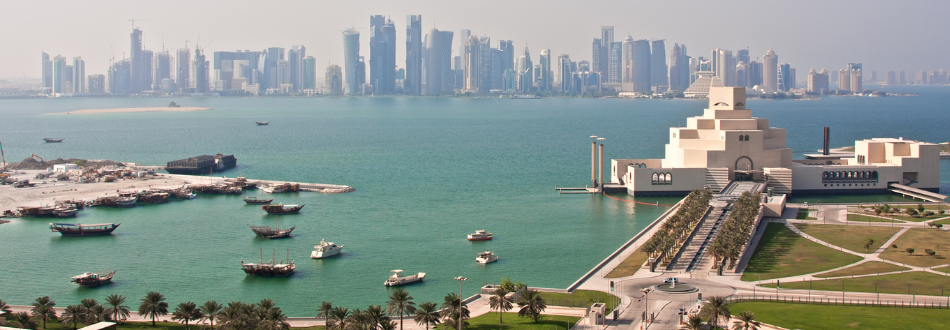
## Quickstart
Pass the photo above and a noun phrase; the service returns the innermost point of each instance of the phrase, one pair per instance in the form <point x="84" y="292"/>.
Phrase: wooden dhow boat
<point x="52" y="140"/>
<point x="72" y="229"/>
<point x="94" y="279"/>
<point x="271" y="268"/>
<point x="261" y="123"/>
<point x="281" y="208"/>
<point x="271" y="233"/>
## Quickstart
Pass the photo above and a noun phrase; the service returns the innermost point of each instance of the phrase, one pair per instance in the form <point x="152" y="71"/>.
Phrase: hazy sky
<point x="884" y="35"/>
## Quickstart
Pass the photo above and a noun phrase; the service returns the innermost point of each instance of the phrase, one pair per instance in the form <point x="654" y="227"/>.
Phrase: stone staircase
<point x="717" y="178"/>
<point x="694" y="249"/>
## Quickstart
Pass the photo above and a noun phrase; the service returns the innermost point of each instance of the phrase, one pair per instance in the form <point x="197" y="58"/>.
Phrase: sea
<point x="427" y="172"/>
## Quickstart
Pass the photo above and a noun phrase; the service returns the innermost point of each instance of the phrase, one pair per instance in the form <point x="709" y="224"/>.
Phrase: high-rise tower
<point x="183" y="69"/>
<point x="770" y="71"/>
<point x="438" y="62"/>
<point x="658" y="68"/>
<point x="47" y="71"/>
<point x="382" y="55"/>
<point x="139" y="81"/>
<point x="351" y="54"/>
<point x="642" y="65"/>
<point x="79" y="75"/>
<point x="413" y="82"/>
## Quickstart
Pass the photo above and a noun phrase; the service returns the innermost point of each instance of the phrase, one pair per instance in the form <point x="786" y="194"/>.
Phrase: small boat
<point x="93" y="279"/>
<point x="126" y="201"/>
<point x="281" y="208"/>
<point x="261" y="123"/>
<point x="486" y="257"/>
<point x="52" y="140"/>
<point x="480" y="235"/>
<point x="71" y="229"/>
<point x="191" y="195"/>
<point x="65" y="212"/>
<point x="271" y="233"/>
<point x="271" y="268"/>
<point x="255" y="200"/>
<point x="325" y="249"/>
<point x="397" y="279"/>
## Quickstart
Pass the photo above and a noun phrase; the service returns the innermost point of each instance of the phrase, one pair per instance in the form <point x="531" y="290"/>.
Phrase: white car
<point x="671" y="280"/>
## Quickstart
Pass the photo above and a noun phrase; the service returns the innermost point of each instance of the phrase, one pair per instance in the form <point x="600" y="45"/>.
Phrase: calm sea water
<point x="427" y="172"/>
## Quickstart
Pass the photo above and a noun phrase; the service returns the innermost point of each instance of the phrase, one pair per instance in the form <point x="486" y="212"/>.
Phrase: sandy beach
<point x="147" y="109"/>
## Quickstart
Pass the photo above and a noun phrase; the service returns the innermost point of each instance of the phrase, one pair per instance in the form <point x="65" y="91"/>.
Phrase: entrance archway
<point x="744" y="164"/>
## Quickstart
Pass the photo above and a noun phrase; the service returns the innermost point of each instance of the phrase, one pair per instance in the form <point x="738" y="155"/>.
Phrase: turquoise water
<point x="427" y="172"/>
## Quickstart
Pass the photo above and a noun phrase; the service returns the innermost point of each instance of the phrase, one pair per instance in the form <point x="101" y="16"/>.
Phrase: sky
<point x="883" y="35"/>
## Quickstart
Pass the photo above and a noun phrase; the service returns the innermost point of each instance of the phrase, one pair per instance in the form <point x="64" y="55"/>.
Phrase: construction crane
<point x="133" y="21"/>
<point x="41" y="158"/>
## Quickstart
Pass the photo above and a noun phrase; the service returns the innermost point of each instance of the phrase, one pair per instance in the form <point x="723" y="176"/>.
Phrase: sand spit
<point x="118" y="110"/>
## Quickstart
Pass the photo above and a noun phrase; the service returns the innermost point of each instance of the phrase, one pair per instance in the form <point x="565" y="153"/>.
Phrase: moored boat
<point x="271" y="268"/>
<point x="261" y="123"/>
<point x="93" y="279"/>
<point x="71" y="229"/>
<point x="486" y="257"/>
<point x="281" y="208"/>
<point x="255" y="200"/>
<point x="65" y="212"/>
<point x="325" y="249"/>
<point x="126" y="201"/>
<point x="271" y="233"/>
<point x="397" y="279"/>
<point x="52" y="140"/>
<point x="480" y="235"/>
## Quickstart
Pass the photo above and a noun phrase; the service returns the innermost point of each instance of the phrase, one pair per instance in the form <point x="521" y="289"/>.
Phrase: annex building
<point x="728" y="144"/>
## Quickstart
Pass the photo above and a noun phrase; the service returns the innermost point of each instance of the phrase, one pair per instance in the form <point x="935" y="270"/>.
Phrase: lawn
<point x="782" y="253"/>
<point x="920" y="239"/>
<point x="867" y="218"/>
<point x="511" y="321"/>
<point x="803" y="215"/>
<point x="148" y="326"/>
<point x="850" y="237"/>
<point x="870" y="267"/>
<point x="922" y="283"/>
<point x="630" y="265"/>
<point x="805" y="316"/>
<point x="578" y="298"/>
<point x="943" y="222"/>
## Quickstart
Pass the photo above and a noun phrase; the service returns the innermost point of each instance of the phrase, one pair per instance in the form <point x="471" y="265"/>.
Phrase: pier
<point x="918" y="193"/>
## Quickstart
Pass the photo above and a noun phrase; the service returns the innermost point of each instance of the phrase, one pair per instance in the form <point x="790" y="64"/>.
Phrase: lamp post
<point x="646" y="301"/>
<point x="460" y="279"/>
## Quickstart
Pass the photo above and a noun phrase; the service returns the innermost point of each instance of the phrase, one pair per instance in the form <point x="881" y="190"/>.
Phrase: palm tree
<point x="694" y="322"/>
<point x="23" y="320"/>
<point x="4" y="307"/>
<point x="96" y="314"/>
<point x="532" y="305"/>
<point x="377" y="316"/>
<point x="274" y="320"/>
<point x="427" y="313"/>
<point x="339" y="316"/>
<point x="400" y="303"/>
<point x="324" y="310"/>
<point x="187" y="312"/>
<point x="499" y="302"/>
<point x="453" y="311"/>
<point x="116" y="308"/>
<point x="74" y="314"/>
<point x="746" y="321"/>
<point x="153" y="305"/>
<point x="358" y="320"/>
<point x="233" y="316"/>
<point x="210" y="310"/>
<point x="388" y="325"/>
<point x="43" y="310"/>
<point x="87" y="306"/>
<point x="714" y="309"/>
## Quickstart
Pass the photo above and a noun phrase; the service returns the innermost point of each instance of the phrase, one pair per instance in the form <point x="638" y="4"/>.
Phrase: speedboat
<point x="486" y="257"/>
<point x="325" y="249"/>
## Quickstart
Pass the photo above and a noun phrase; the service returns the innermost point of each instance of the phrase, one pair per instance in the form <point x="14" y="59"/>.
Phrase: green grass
<point x="943" y="222"/>
<point x="579" y="298"/>
<point x="148" y="326"/>
<point x="805" y="316"/>
<point x="850" y="237"/>
<point x="511" y="321"/>
<point x="870" y="267"/>
<point x="922" y="283"/>
<point x="782" y="253"/>
<point x="920" y="239"/>
<point x="867" y="218"/>
<point x="630" y="265"/>
<point x="803" y="215"/>
<point x="945" y="269"/>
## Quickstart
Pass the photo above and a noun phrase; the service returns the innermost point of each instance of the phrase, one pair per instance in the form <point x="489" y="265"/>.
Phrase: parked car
<point x="671" y="280"/>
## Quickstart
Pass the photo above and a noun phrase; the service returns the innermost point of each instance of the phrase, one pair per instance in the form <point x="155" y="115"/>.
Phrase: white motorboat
<point x="397" y="279"/>
<point x="126" y="201"/>
<point x="486" y="257"/>
<point x="480" y="235"/>
<point x="325" y="249"/>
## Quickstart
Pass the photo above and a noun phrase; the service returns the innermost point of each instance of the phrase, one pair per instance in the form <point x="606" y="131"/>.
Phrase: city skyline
<point x="319" y="26"/>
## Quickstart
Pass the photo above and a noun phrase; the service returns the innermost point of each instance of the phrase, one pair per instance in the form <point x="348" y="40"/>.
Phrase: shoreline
<point x="126" y="110"/>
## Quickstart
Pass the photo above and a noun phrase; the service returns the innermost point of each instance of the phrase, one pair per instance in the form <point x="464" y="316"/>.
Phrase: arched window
<point x="656" y="178"/>
<point x="747" y="138"/>
<point x="741" y="138"/>
<point x="669" y="178"/>
<point x="874" y="174"/>
<point x="643" y="165"/>
<point x="722" y="104"/>
<point x="739" y="104"/>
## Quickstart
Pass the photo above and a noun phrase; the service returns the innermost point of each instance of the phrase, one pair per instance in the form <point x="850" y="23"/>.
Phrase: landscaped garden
<point x="920" y="247"/>
<point x="870" y="267"/>
<point x="921" y="283"/>
<point x="807" y="316"/>
<point x="782" y="253"/>
<point x="854" y="238"/>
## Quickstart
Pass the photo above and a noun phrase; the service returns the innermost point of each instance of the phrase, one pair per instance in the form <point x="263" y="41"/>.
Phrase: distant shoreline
<point x="146" y="109"/>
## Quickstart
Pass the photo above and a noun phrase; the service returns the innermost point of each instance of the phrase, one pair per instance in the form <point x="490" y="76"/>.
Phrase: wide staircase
<point x="694" y="249"/>
<point x="717" y="179"/>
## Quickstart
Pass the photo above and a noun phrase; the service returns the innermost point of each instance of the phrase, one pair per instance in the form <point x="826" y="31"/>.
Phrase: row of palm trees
<point x="678" y="227"/>
<point x="717" y="308"/>
<point x="736" y="230"/>
<point x="236" y="315"/>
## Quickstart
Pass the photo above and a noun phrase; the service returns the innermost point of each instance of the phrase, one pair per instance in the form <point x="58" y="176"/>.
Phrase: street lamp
<point x="460" y="279"/>
<point x="646" y="300"/>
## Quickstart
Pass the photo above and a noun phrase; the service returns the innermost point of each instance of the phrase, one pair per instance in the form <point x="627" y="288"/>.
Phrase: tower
<point x="351" y="54"/>
<point x="658" y="68"/>
<point x="770" y="71"/>
<point x="413" y="81"/>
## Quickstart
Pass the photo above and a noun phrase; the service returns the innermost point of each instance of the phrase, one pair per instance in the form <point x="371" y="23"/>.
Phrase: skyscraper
<point x="627" y="59"/>
<point x="139" y="80"/>
<point x="477" y="65"/>
<point x="770" y="71"/>
<point x="844" y="80"/>
<point x="525" y="72"/>
<point x="785" y="77"/>
<point x="439" y="77"/>
<point x="334" y="80"/>
<point x="679" y="68"/>
<point x="47" y="72"/>
<point x="295" y="65"/>
<point x="183" y="69"/>
<point x="743" y="56"/>
<point x="147" y="58"/>
<point x="382" y="55"/>
<point x="97" y="84"/>
<point x="565" y="73"/>
<point x="602" y="62"/>
<point x="161" y="69"/>
<point x="309" y="71"/>
<point x="544" y="84"/>
<point x="79" y="75"/>
<point x="119" y="74"/>
<point x="854" y="70"/>
<point x="818" y="82"/>
<point x="615" y="63"/>
<point x="412" y="85"/>
<point x="658" y="68"/>
<point x="726" y="67"/>
<point x="351" y="54"/>
<point x="642" y="65"/>
<point x="200" y="71"/>
<point x="59" y="75"/>
<point x="464" y="34"/>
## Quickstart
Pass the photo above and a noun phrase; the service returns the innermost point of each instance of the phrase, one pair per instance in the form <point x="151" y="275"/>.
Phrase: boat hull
<point x="405" y="280"/>
<point x="78" y="232"/>
<point x="327" y="254"/>
<point x="486" y="261"/>
<point x="479" y="238"/>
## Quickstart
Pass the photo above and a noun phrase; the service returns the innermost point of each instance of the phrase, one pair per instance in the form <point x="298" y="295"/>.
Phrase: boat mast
<point x="273" y="260"/>
<point x="260" y="259"/>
